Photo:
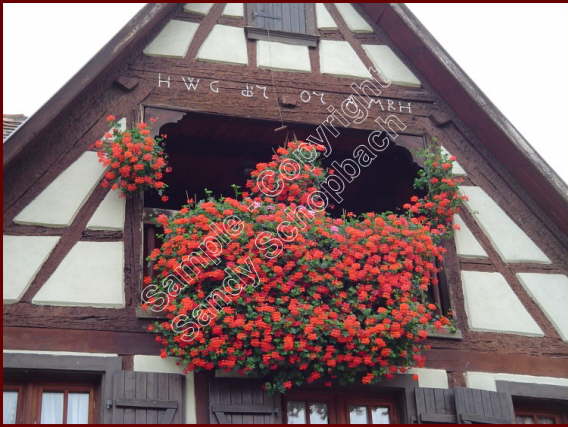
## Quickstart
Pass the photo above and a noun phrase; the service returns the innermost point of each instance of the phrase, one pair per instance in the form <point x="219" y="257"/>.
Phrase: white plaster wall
<point x="122" y="124"/>
<point x="492" y="306"/>
<point x="174" y="39"/>
<point x="324" y="19"/>
<point x="432" y="378"/>
<point x="457" y="169"/>
<point x="282" y="56"/>
<point x="143" y="363"/>
<point x="62" y="353"/>
<point x="550" y="292"/>
<point x="466" y="243"/>
<point x="225" y="44"/>
<point x="58" y="204"/>
<point x="198" y="8"/>
<point x="168" y="366"/>
<point x="353" y="19"/>
<point x="487" y="380"/>
<point x="23" y="257"/>
<point x="510" y="241"/>
<point x="337" y="57"/>
<point x="234" y="9"/>
<point x="92" y="274"/>
<point x="109" y="214"/>
<point x="389" y="66"/>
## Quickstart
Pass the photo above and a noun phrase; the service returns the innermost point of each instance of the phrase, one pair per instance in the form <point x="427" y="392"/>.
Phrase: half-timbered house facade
<point x="228" y="83"/>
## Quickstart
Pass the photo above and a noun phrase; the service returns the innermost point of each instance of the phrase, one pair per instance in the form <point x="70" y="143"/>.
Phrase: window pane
<point x="52" y="408"/>
<point x="358" y="415"/>
<point x="296" y="413"/>
<point x="523" y="419"/>
<point x="380" y="415"/>
<point x="546" y="420"/>
<point x="318" y="413"/>
<point x="10" y="401"/>
<point x="78" y="408"/>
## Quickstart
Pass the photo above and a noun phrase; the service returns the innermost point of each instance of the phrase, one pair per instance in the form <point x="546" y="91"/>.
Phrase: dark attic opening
<point x="214" y="152"/>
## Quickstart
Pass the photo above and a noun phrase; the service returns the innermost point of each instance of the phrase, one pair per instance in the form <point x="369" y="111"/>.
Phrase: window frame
<point x="338" y="402"/>
<point x="20" y="365"/>
<point x="30" y="391"/>
<point x="310" y="38"/>
<point x="449" y="267"/>
<point x="368" y="402"/>
<point x="447" y="289"/>
<point x="448" y="277"/>
<point x="402" y="387"/>
<point x="149" y="242"/>
<point x="533" y="397"/>
<point x="308" y="398"/>
<point x="538" y="413"/>
<point x="539" y="408"/>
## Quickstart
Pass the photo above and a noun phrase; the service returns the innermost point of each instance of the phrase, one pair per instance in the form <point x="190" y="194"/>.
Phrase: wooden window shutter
<point x="242" y="401"/>
<point x="483" y="407"/>
<point x="435" y="405"/>
<point x="146" y="398"/>
<point x="285" y="17"/>
<point x="261" y="15"/>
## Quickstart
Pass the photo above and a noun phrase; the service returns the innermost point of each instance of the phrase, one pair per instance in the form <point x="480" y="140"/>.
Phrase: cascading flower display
<point x="269" y="285"/>
<point x="134" y="159"/>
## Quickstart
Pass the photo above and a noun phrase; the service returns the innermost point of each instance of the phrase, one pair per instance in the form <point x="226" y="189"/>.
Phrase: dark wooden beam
<point x="88" y="341"/>
<point x="144" y="343"/>
<point x="512" y="363"/>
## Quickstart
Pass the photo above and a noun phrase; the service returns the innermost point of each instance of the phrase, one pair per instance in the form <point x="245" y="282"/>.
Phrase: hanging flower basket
<point x="269" y="284"/>
<point x="134" y="159"/>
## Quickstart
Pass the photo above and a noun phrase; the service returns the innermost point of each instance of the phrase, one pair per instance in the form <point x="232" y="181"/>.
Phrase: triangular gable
<point x="405" y="31"/>
<point x="198" y="57"/>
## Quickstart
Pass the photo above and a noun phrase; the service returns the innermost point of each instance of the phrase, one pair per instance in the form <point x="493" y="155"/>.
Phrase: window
<point x="303" y="407"/>
<point x="369" y="414"/>
<point x="305" y="412"/>
<point x="65" y="404"/>
<point x="40" y="399"/>
<point x="282" y="22"/>
<point x="199" y="146"/>
<point x="11" y="398"/>
<point x="539" y="411"/>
